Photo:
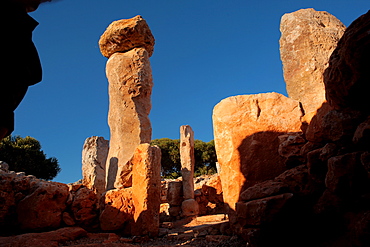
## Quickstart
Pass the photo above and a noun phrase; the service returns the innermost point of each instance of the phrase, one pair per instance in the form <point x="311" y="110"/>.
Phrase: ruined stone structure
<point x="128" y="44"/>
<point x="246" y="131"/>
<point x="94" y="158"/>
<point x="308" y="38"/>
<point x="286" y="183"/>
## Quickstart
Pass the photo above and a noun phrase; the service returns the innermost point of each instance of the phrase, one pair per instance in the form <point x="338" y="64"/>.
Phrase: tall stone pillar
<point x="128" y="44"/>
<point x="189" y="205"/>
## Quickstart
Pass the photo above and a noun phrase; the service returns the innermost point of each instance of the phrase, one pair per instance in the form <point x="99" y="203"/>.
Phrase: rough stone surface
<point x="94" y="158"/>
<point x="263" y="189"/>
<point x="84" y="206"/>
<point x="175" y="193"/>
<point x="347" y="77"/>
<point x="130" y="86"/>
<point x="146" y="188"/>
<point x="117" y="208"/>
<point x="261" y="211"/>
<point x="308" y="38"/>
<point x="43" y="208"/>
<point x="124" y="35"/>
<point x="187" y="160"/>
<point x="189" y="207"/>
<point x="340" y="178"/>
<point x="45" y="239"/>
<point x="246" y="130"/>
<point x="362" y="134"/>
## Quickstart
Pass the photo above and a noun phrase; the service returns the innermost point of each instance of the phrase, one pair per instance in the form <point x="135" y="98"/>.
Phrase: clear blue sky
<point x="206" y="50"/>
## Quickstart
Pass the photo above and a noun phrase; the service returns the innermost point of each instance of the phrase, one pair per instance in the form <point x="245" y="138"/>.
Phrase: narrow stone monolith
<point x="128" y="44"/>
<point x="189" y="206"/>
<point x="146" y="189"/>
<point x="187" y="160"/>
<point x="94" y="157"/>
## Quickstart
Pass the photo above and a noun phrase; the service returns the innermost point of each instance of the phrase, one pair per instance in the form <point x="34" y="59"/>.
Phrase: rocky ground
<point x="212" y="230"/>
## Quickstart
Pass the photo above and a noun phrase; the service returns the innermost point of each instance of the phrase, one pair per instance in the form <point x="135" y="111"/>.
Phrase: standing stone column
<point x="146" y="189"/>
<point x="128" y="44"/>
<point x="189" y="205"/>
<point x="94" y="157"/>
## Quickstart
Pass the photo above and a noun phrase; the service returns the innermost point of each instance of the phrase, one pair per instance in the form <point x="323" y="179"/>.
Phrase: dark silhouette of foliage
<point x="204" y="154"/>
<point x="25" y="155"/>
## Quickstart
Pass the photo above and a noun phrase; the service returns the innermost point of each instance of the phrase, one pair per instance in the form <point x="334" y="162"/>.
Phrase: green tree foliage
<point x="204" y="153"/>
<point x="171" y="165"/>
<point x="25" y="155"/>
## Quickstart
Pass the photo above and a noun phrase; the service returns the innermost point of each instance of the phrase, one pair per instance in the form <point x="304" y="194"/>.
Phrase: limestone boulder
<point x="189" y="207"/>
<point x="334" y="125"/>
<point x="43" y="207"/>
<point x="175" y="193"/>
<point x="264" y="189"/>
<point x="343" y="175"/>
<point x="246" y="131"/>
<point x="146" y="189"/>
<point x="261" y="211"/>
<point x="130" y="86"/>
<point x="84" y="206"/>
<point x="347" y="77"/>
<point x="117" y="208"/>
<point x="124" y="35"/>
<point x="94" y="158"/>
<point x="308" y="38"/>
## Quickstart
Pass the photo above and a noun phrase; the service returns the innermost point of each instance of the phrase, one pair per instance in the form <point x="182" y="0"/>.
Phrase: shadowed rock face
<point x="308" y="38"/>
<point x="246" y="130"/>
<point x="347" y="78"/>
<point x="128" y="44"/>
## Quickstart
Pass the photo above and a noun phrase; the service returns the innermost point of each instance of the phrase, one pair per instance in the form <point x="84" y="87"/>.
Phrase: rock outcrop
<point x="308" y="38"/>
<point x="94" y="158"/>
<point x="347" y="77"/>
<point x="246" y="131"/>
<point x="31" y="204"/>
<point x="43" y="207"/>
<point x="325" y="198"/>
<point x="128" y="44"/>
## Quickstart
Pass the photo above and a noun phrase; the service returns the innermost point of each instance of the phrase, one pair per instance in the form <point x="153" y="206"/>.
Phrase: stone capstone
<point x="124" y="35"/>
<point x="308" y="38"/>
<point x="246" y="131"/>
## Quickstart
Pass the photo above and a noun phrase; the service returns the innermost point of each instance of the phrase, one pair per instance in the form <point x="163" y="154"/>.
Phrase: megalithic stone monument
<point x="128" y="44"/>
<point x="189" y="205"/>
